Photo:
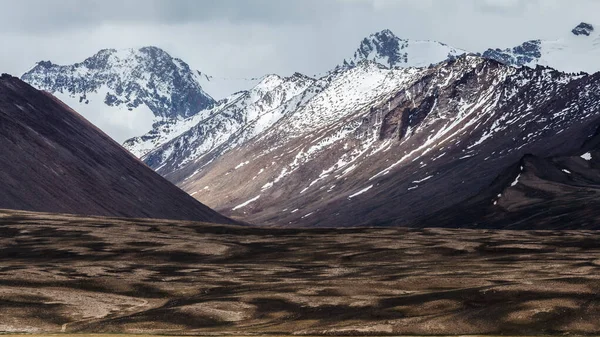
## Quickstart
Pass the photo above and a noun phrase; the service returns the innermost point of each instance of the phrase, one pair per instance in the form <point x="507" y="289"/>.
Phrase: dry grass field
<point x="64" y="273"/>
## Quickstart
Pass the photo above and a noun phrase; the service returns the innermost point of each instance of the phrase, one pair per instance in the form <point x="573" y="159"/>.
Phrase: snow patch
<point x="422" y="180"/>
<point x="360" y="192"/>
<point x="246" y="203"/>
<point x="242" y="164"/>
<point x="516" y="181"/>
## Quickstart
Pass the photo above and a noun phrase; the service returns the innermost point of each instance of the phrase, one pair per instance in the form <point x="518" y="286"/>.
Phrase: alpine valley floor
<point x="74" y="274"/>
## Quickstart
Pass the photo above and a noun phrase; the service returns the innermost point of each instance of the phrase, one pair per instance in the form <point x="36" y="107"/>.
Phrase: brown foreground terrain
<point x="61" y="273"/>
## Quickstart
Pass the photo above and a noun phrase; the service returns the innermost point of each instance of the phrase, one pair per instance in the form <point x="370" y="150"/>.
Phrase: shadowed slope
<point x="53" y="160"/>
<point x="536" y="193"/>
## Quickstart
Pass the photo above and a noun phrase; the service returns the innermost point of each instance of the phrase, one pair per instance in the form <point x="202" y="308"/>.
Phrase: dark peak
<point x="45" y="64"/>
<point x="382" y="38"/>
<point x="151" y="51"/>
<point x="366" y="63"/>
<point x="385" y="34"/>
<point x="271" y="77"/>
<point x="98" y="60"/>
<point x="299" y="76"/>
<point x="583" y="29"/>
<point x="105" y="52"/>
<point x="154" y="51"/>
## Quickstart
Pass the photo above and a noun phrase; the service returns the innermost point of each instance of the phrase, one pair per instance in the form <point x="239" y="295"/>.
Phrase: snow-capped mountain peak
<point x="391" y="51"/>
<point x="578" y="50"/>
<point x="119" y="90"/>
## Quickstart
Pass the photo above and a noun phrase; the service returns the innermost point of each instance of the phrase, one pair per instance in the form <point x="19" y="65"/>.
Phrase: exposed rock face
<point x="522" y="55"/>
<point x="54" y="160"/>
<point x="583" y="29"/>
<point x="389" y="50"/>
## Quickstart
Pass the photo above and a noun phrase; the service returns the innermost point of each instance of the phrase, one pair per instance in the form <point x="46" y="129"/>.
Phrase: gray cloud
<point x="242" y="38"/>
<point x="46" y="16"/>
<point x="250" y="38"/>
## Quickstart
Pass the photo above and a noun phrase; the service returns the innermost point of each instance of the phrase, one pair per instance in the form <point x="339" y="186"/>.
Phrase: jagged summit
<point x="386" y="48"/>
<point x="525" y="54"/>
<point x="583" y="29"/>
<point x="384" y="45"/>
<point x="118" y="90"/>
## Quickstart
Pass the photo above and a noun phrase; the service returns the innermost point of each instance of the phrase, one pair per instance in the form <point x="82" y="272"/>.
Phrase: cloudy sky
<point x="250" y="38"/>
<point x="242" y="38"/>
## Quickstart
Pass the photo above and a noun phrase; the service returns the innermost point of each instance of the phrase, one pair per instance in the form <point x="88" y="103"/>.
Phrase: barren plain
<point x="75" y="274"/>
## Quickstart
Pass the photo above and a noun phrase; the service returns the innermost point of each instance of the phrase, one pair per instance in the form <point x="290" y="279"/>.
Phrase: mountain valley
<point x="375" y="132"/>
<point x="74" y="274"/>
<point x="413" y="189"/>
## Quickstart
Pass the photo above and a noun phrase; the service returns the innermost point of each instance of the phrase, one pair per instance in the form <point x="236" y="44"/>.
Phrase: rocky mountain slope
<point x="125" y="91"/>
<point x="372" y="143"/>
<point x="232" y="121"/>
<point x="54" y="160"/>
<point x="382" y="47"/>
<point x="376" y="131"/>
<point x="382" y="146"/>
<point x="578" y="51"/>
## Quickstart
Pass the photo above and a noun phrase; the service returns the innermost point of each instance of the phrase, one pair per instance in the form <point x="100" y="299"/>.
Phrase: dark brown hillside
<point x="54" y="160"/>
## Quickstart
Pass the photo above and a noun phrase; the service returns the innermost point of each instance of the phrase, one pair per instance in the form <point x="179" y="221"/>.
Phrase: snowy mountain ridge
<point x="118" y="89"/>
<point x="376" y="137"/>
<point x="232" y="121"/>
<point x="577" y="51"/>
<point x="418" y="136"/>
<point x="348" y="88"/>
<point x="391" y="51"/>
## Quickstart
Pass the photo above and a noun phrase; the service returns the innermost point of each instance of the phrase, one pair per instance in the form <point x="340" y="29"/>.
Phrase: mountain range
<point x="99" y="238"/>
<point x="401" y="133"/>
<point x="124" y="91"/>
